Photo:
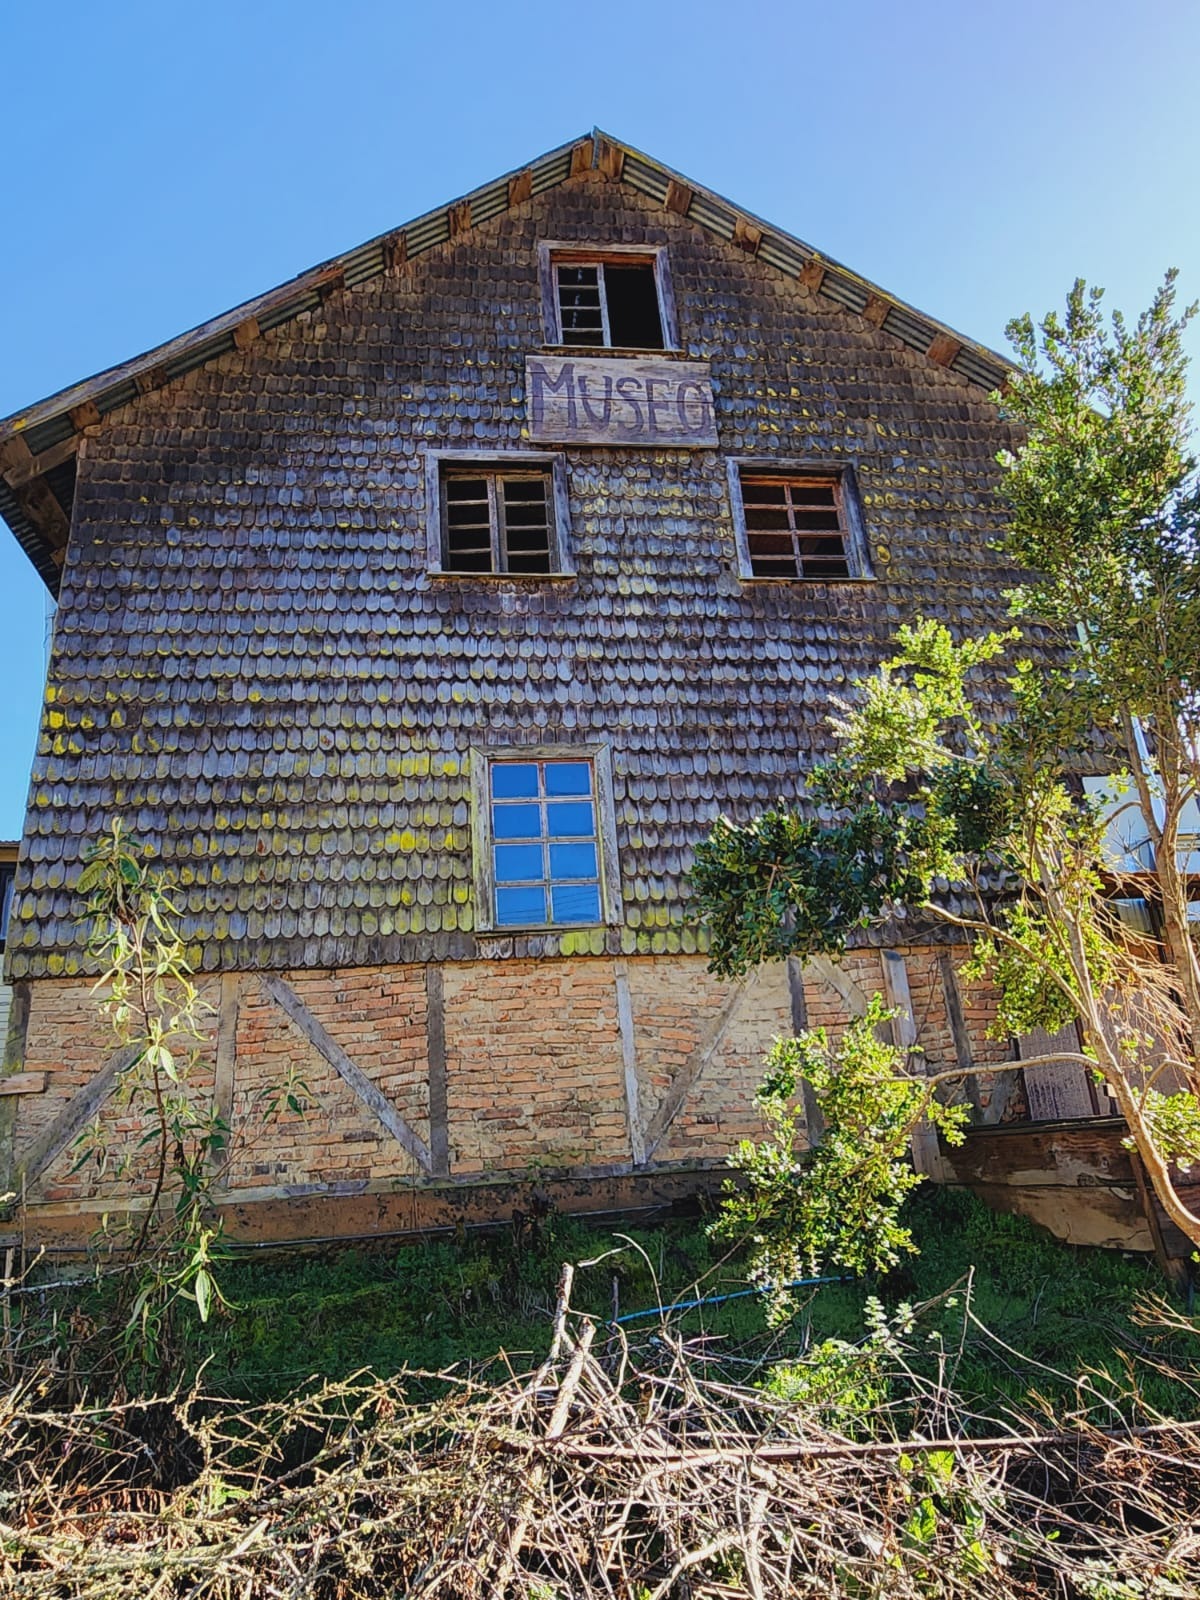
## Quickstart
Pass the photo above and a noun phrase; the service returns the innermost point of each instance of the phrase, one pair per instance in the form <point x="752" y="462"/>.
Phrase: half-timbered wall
<point x="255" y="668"/>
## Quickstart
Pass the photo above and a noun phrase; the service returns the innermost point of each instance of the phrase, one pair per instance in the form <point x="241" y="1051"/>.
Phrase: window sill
<point x="502" y="577"/>
<point x="620" y="351"/>
<point x="812" y="583"/>
<point x="531" y="929"/>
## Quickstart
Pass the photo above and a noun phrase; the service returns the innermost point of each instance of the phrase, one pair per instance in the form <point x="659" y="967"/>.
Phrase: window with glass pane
<point x="546" y="857"/>
<point x="497" y="522"/>
<point x="795" y="527"/>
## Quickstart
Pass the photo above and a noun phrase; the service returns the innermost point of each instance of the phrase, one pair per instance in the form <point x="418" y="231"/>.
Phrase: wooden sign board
<point x="619" y="401"/>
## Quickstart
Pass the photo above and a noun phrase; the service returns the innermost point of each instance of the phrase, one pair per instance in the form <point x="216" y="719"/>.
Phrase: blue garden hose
<point x="720" y="1299"/>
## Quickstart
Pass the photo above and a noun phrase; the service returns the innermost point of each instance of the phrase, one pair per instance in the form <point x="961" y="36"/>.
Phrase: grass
<point x="445" y="1301"/>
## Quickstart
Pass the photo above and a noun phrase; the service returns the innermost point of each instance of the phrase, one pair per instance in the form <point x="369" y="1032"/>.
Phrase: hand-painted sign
<point x="590" y="400"/>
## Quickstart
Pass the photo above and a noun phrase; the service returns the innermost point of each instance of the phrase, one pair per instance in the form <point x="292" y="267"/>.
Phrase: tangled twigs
<point x="622" y="1472"/>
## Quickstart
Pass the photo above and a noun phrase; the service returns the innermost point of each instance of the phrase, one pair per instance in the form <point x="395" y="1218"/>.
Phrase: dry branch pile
<point x="611" y="1471"/>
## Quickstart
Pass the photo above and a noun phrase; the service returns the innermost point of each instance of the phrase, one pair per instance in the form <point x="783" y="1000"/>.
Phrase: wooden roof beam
<point x="17" y="476"/>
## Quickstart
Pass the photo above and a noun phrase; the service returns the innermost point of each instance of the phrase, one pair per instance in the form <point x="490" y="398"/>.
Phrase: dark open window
<point x="610" y="303"/>
<point x="497" y="521"/>
<point x="7" y="872"/>
<point x="795" y="521"/>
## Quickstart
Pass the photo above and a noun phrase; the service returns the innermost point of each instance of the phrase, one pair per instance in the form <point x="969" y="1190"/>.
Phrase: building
<point x="420" y="615"/>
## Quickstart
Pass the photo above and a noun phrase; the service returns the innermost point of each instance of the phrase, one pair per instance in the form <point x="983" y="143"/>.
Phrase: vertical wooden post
<point x="633" y="1109"/>
<point x="227" y="1021"/>
<point x="13" y="1047"/>
<point x="926" y="1152"/>
<point x="814" y="1122"/>
<point x="439" y="1093"/>
<point x="958" y="1029"/>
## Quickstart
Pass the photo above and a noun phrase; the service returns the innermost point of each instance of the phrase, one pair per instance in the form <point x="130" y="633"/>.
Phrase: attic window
<point x="797" y="524"/>
<point x="616" y="298"/>
<point x="500" y="516"/>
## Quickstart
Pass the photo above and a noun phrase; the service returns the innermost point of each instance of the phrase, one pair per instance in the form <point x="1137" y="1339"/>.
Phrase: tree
<point x="931" y="781"/>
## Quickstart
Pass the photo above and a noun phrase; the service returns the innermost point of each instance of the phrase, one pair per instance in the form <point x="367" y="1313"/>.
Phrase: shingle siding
<point x="254" y="670"/>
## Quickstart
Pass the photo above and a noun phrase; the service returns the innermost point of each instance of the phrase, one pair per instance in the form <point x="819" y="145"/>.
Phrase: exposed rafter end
<point x="611" y="160"/>
<point x="679" y="197"/>
<point x="395" y="250"/>
<point x="26" y="467"/>
<point x="812" y="276"/>
<point x="331" y="283"/>
<point x="520" y="187"/>
<point x="943" y="349"/>
<point x="246" y="333"/>
<point x="746" y="236"/>
<point x="84" y="415"/>
<point x="876" y="310"/>
<point x="582" y="158"/>
<point x="153" y="378"/>
<point x="458" y="219"/>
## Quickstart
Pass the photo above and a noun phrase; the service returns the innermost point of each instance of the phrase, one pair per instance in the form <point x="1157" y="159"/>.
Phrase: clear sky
<point x="167" y="161"/>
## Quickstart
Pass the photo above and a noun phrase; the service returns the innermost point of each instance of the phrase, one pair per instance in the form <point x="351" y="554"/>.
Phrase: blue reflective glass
<point x="516" y="863"/>
<point x="520" y="907"/>
<point x="514" y="780"/>
<point x="571" y="861"/>
<point x="570" y="818"/>
<point x="576" y="902"/>
<point x="568" y="777"/>
<point x="516" y="822"/>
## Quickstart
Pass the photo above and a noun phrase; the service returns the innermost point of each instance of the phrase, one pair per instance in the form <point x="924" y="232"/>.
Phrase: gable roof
<point x="38" y="444"/>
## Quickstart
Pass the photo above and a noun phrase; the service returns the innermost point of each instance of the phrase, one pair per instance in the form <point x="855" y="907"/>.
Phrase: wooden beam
<point x="380" y="1107"/>
<point x="331" y="283"/>
<point x="42" y="508"/>
<point x="692" y="1070"/>
<point x="926" y="1152"/>
<point x="679" y="197"/>
<point x="814" y="1122"/>
<point x="943" y="349"/>
<point x="246" y="333"/>
<point x="581" y="159"/>
<point x="840" y="981"/>
<point x="15" y="455"/>
<point x="24" y="1083"/>
<point x="223" y="1075"/>
<point x="84" y="415"/>
<point x="746" y="236"/>
<point x="395" y="250"/>
<point x="520" y="187"/>
<point x="952" y="997"/>
<point x="435" y="1041"/>
<point x="876" y="310"/>
<point x="812" y="275"/>
<point x="17" y="477"/>
<point x="153" y="378"/>
<point x="75" y="1115"/>
<point x="633" y="1097"/>
<point x="612" y="160"/>
<point x="458" y="218"/>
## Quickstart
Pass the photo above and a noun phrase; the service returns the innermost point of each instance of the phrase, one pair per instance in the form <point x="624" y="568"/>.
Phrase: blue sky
<point x="166" y="161"/>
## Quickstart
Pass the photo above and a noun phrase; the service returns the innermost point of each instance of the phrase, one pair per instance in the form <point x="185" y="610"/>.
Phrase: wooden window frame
<point x="552" y="253"/>
<point x="483" y="842"/>
<point x="840" y="475"/>
<point x="491" y="464"/>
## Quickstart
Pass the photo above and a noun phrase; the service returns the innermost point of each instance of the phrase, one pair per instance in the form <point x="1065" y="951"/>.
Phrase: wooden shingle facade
<point x="421" y="633"/>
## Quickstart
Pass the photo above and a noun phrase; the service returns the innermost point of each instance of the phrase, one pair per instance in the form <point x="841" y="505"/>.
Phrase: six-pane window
<point x="545" y="845"/>
<point x="497" y="522"/>
<point x="796" y="526"/>
<point x="609" y="303"/>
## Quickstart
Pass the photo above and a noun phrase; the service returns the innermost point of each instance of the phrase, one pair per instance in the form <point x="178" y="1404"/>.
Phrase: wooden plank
<point x="380" y="1107"/>
<point x="839" y="980"/>
<point x="963" y="1058"/>
<point x="611" y="160"/>
<point x="746" y="236"/>
<point x="12" y="1047"/>
<point x="75" y="1116"/>
<point x="520" y="187"/>
<point x="943" y="349"/>
<point x="926" y="1151"/>
<point x="581" y="158"/>
<point x="458" y="218"/>
<point x="16" y="477"/>
<point x="85" y="415"/>
<point x="693" y="1068"/>
<point x="876" y="310"/>
<point x="812" y="275"/>
<point x="633" y="1098"/>
<point x="246" y="333"/>
<point x="679" y="197"/>
<point x="24" y="1083"/>
<point x="223" y="1076"/>
<point x="620" y="401"/>
<point x="395" y="250"/>
<point x="1055" y="1093"/>
<point x="813" y="1120"/>
<point x="435" y="1045"/>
